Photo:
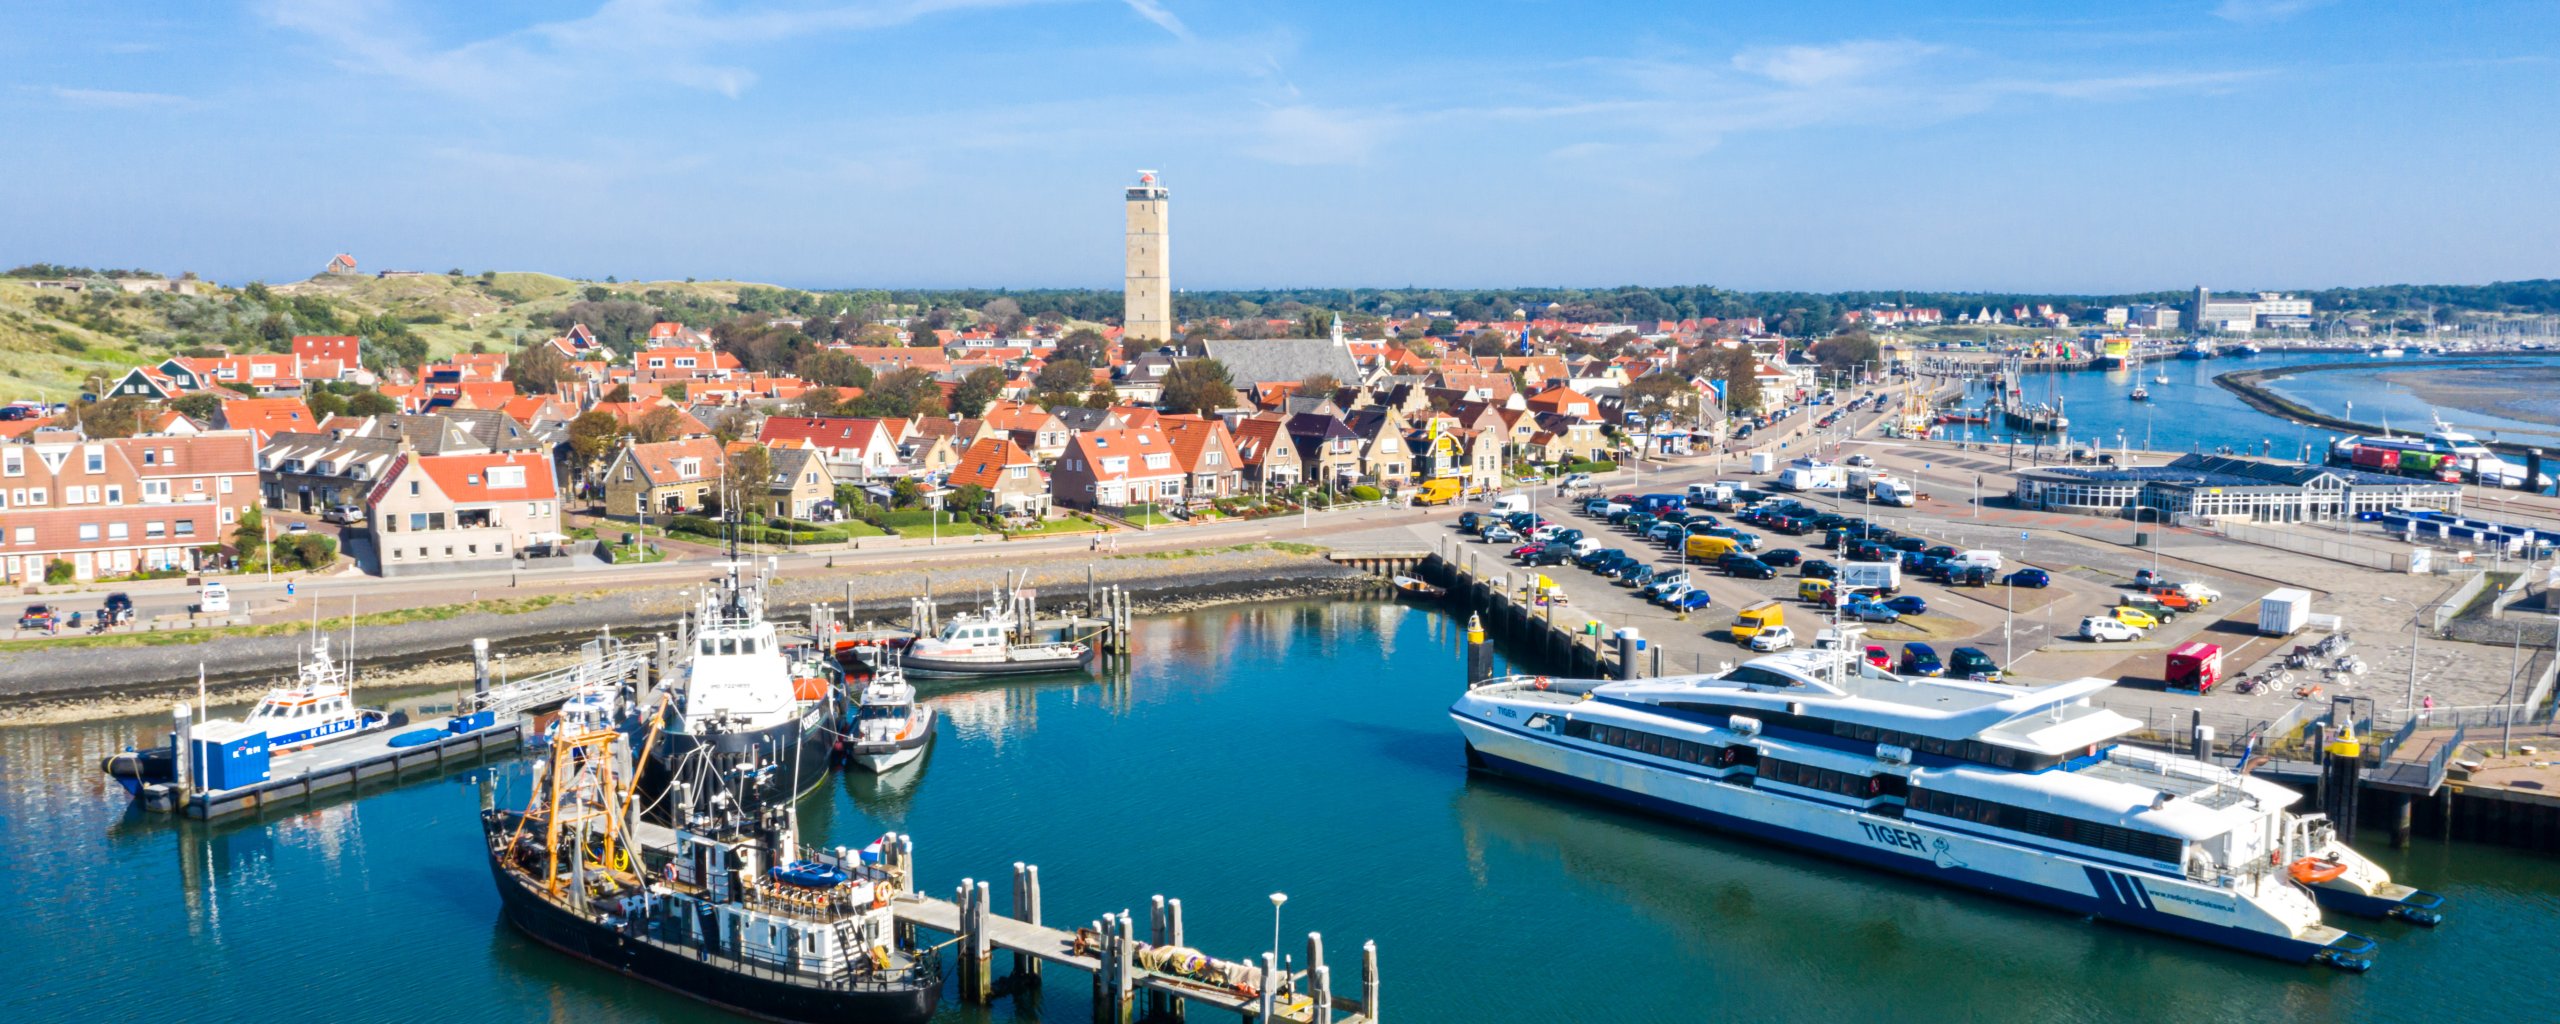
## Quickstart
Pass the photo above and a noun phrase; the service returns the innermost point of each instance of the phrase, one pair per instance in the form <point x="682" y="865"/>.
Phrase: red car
<point x="1524" y="550"/>
<point x="1879" y="657"/>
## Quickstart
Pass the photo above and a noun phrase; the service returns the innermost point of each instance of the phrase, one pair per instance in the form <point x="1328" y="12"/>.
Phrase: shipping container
<point x="229" y="755"/>
<point x="2194" y="668"/>
<point x="2284" y="612"/>
<point x="2384" y="459"/>
<point x="2420" y="462"/>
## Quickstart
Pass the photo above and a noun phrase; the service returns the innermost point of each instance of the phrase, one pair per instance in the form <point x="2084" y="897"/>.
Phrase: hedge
<point x="1590" y="467"/>
<point x="1364" y="492"/>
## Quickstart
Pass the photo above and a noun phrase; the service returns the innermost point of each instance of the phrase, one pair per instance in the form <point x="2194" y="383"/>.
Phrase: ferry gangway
<point x="599" y="660"/>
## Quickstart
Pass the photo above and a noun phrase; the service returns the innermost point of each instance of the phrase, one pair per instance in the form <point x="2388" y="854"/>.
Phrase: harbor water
<point x="2192" y="413"/>
<point x="1297" y="747"/>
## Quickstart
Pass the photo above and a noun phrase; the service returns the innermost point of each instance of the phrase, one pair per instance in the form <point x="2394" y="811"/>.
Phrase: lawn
<point x="1063" y="524"/>
<point x="948" y="528"/>
<point x="626" y="554"/>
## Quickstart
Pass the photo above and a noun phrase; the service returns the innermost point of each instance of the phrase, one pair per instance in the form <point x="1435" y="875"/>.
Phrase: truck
<point x="1510" y="503"/>
<point x="1436" y="492"/>
<point x="1762" y="462"/>
<point x="1889" y="491"/>
<point x="2193" y="668"/>
<point x="1810" y="475"/>
<point x="1718" y="494"/>
<point x="2284" y="612"/>
<point x="1881" y="577"/>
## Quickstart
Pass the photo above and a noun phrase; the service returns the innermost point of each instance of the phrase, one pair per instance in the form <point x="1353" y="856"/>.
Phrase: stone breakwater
<point x="55" y="682"/>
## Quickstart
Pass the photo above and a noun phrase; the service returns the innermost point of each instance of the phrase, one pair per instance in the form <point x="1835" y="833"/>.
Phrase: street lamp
<point x="1277" y="899"/>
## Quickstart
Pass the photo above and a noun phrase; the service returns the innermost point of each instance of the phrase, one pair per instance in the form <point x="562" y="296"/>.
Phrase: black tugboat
<point x="729" y="910"/>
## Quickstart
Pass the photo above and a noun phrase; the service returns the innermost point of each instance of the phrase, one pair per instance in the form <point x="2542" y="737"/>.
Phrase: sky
<point x="1957" y="144"/>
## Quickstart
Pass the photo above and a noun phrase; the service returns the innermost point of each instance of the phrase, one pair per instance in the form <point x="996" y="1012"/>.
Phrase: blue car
<point x="2028" y="578"/>
<point x="1692" y="600"/>
<point x="1869" y="611"/>
<point x="1920" y="659"/>
<point x="1908" y="604"/>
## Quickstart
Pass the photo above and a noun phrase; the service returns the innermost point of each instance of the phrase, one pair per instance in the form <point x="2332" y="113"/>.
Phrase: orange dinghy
<point x="2313" y="870"/>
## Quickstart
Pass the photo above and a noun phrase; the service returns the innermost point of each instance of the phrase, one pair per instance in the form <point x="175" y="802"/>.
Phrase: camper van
<point x="1810" y="475"/>
<point x="1889" y="491"/>
<point x="1510" y="503"/>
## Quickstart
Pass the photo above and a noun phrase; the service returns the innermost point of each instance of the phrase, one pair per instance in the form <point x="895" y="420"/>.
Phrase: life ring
<point x="2313" y="870"/>
<point x="1542" y="682"/>
<point x="880" y="894"/>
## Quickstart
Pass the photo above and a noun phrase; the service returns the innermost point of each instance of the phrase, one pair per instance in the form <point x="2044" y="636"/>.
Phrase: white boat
<point x="317" y="707"/>
<point x="745" y="705"/>
<point x="889" y="727"/>
<point x="2390" y="352"/>
<point x="2470" y="457"/>
<point x="2140" y="393"/>
<point x="983" y="643"/>
<point x="2024" y="794"/>
<point x="592" y="706"/>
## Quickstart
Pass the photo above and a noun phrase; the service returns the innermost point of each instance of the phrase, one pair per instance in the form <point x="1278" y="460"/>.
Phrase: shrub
<point x="1590" y="467"/>
<point x="57" y="571"/>
<point x="1364" y="492"/>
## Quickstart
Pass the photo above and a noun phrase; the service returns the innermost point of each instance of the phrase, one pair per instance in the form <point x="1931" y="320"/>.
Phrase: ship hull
<point x="1907" y="848"/>
<point x="962" y="668"/>
<point x="679" y="971"/>
<point x="795" y="754"/>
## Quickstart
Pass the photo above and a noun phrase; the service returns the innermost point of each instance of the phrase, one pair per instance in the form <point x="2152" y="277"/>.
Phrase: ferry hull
<point x="2121" y="896"/>
<point x="764" y="997"/>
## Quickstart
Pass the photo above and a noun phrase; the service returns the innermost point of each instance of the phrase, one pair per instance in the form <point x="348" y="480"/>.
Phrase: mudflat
<point x="2530" y="393"/>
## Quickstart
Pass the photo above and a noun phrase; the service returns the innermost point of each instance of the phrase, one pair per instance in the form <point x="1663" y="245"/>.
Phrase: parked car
<point x="1909" y="544"/>
<point x="343" y="515"/>
<point x="297" y="526"/>
<point x="1869" y="611"/>
<point x="1546" y="556"/>
<point x="1692" y="599"/>
<point x="1919" y="659"/>
<point x="1498" y="533"/>
<point x="1634" y="574"/>
<point x="1971" y="663"/>
<point x="2036" y="578"/>
<point x="1961" y="575"/>
<point x="1782" y="557"/>
<point x="1468" y="522"/>
<point x="2102" y="628"/>
<point x="2146" y="579"/>
<point x="1746" y="567"/>
<point x="37" y="616"/>
<point x="1942" y="551"/>
<point x="1908" y="604"/>
<point x="1597" y="556"/>
<point x="1879" y="657"/>
<point x="2134" y="617"/>
<point x="1531" y="548"/>
<point x="1774" y="638"/>
<point x="1819" y="569"/>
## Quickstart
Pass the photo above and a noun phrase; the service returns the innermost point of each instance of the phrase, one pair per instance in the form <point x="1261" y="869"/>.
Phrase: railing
<point x="2443" y="717"/>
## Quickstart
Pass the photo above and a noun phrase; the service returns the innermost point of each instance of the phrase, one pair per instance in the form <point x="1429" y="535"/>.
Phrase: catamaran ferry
<point x="2020" y="793"/>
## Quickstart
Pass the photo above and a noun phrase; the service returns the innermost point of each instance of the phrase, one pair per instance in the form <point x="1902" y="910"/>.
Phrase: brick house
<point x="800" y="481"/>
<point x="1266" y="453"/>
<point x="663" y="478"/>
<point x="113" y="507"/>
<point x="1204" y="449"/>
<point x="1111" y="468"/>
<point x="1011" y="476"/>
<point x="856" y="449"/>
<point x="456" y="513"/>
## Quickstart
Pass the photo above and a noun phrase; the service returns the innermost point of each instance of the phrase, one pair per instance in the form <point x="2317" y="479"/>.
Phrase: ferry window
<point x="1754" y="675"/>
<point x="706" y="645"/>
<point x="728" y="645"/>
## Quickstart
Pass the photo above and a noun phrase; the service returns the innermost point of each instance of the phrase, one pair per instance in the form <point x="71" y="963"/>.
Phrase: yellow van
<point x="1812" y="590"/>
<point x="1748" y="622"/>
<point x="1703" y="548"/>
<point x="1437" y="492"/>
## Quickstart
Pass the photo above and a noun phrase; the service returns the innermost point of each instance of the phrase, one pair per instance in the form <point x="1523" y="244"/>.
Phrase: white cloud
<point x="2255" y="12"/>
<point x="1807" y="67"/>
<point x="118" y="100"/>
<point x="1307" y="136"/>
<point x="1164" y="19"/>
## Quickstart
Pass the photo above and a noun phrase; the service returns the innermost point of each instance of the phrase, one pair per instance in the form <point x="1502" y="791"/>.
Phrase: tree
<point x="201" y="407"/>
<point x="980" y="387"/>
<point x="592" y="437"/>
<point x="663" y="423"/>
<point x="833" y="369"/>
<point x="820" y="401"/>
<point x="537" y="369"/>
<point x="1062" y="379"/>
<point x="1657" y="392"/>
<point x="1848" y="349"/>
<point x="1319" y="385"/>
<point x="371" y="403"/>
<point x="748" y="473"/>
<point x="324" y="404"/>
<point x="676" y="390"/>
<point x="1084" y="345"/>
<point x="1198" y="386"/>
<point x="1002" y="315"/>
<point x="620" y="393"/>
<point x="733" y="423"/>
<point x="619" y="323"/>
<point x="120" y="416"/>
<point x="1738" y="367"/>
<point x="900" y="394"/>
<point x="251" y="537"/>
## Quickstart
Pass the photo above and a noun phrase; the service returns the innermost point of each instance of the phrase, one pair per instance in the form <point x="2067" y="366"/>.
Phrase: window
<point x="2099" y="835"/>
<point x="118" y="531"/>
<point x="115" y="495"/>
<point x="13" y="464"/>
<point x="26" y="535"/>
<point x="88" y="531"/>
<point x="35" y="496"/>
<point x="95" y="459"/>
<point x="150" y="457"/>
<point x="413" y="487"/>
<point x="155" y="528"/>
<point x="223" y="485"/>
<point x="186" y="527"/>
<point x="417" y="521"/>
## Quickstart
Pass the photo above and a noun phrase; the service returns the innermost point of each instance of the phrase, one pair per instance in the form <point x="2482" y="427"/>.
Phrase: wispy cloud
<point x="2255" y="12"/>
<point x="1837" y="63"/>
<point x="683" y="42"/>
<point x="115" y="99"/>
<point x="1164" y="19"/>
<point x="1302" y="135"/>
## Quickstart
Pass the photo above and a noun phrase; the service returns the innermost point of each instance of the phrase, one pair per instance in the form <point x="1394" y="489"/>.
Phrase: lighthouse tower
<point x="1147" y="313"/>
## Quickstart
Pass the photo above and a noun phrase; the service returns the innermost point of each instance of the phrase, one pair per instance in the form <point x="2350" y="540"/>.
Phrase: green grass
<point x="1063" y="524"/>
<point x="1150" y="519"/>
<point x="189" y="637"/>
<point x="637" y="554"/>
<point x="949" y="528"/>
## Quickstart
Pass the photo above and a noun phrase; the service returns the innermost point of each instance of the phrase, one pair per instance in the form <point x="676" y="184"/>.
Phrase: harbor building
<point x="1147" y="305"/>
<point x="2216" y="486"/>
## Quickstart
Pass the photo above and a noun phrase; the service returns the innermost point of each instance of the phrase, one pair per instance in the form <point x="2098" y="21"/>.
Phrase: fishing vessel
<point x="989" y="642"/>
<point x="747" y="706"/>
<point x="889" y="728"/>
<point x="728" y="909"/>
<point x="2024" y="794"/>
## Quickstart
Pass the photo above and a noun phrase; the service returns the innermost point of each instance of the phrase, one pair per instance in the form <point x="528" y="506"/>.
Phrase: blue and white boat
<point x="317" y="707"/>
<point x="2020" y="793"/>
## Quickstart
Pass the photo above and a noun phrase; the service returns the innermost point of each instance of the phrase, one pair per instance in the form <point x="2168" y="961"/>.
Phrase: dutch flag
<point x="871" y="854"/>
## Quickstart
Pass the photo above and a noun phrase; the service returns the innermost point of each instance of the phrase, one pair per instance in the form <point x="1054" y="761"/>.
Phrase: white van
<point x="1585" y="546"/>
<point x="1977" y="559"/>
<point x="1510" y="503"/>
<point x="2102" y="628"/>
<point x="215" y="599"/>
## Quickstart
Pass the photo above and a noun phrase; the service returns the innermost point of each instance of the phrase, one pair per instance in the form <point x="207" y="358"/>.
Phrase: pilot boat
<point x="889" y="727"/>
<point x="316" y="707"/>
<point x="746" y="705"/>
<point x="983" y="643"/>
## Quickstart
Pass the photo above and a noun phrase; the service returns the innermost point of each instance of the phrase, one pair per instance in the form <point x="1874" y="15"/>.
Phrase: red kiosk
<point x="2194" y="668"/>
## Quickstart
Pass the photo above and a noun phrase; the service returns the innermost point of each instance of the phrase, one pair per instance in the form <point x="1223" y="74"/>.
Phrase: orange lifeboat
<point x="2313" y="870"/>
<point x="809" y="688"/>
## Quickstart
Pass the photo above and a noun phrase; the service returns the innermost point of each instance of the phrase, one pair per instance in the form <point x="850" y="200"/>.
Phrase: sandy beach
<point x="2530" y="393"/>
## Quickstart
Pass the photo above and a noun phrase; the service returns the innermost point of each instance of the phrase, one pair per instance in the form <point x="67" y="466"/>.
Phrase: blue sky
<point x="826" y="143"/>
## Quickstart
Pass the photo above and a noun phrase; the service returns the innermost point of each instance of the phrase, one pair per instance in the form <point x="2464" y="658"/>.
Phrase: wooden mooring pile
<point x="1156" y="977"/>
